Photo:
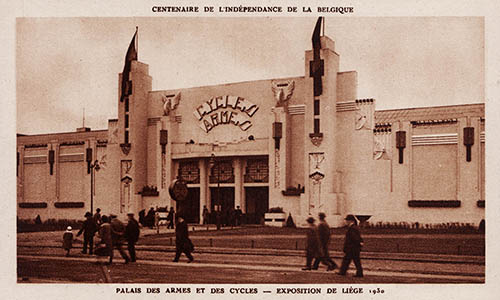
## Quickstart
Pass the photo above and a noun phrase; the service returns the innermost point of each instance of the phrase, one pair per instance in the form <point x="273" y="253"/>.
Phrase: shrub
<point x="276" y="210"/>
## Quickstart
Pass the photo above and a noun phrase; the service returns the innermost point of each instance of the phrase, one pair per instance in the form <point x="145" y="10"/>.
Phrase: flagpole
<point x="137" y="40"/>
<point x="323" y="26"/>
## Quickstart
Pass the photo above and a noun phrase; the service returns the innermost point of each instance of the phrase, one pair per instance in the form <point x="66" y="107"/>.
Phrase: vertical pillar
<point x="202" y="164"/>
<point x="238" y="181"/>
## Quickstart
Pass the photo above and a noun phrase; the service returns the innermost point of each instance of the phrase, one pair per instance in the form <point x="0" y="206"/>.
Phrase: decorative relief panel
<point x="282" y="91"/>
<point x="316" y="176"/>
<point x="382" y="146"/>
<point x="126" y="165"/>
<point x="364" y="115"/>
<point x="276" y="168"/>
<point x="170" y="103"/>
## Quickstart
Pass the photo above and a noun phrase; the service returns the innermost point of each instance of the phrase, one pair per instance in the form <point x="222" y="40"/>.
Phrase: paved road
<point x="37" y="263"/>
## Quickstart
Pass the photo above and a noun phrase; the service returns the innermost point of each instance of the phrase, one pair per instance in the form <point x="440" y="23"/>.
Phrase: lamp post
<point x="93" y="167"/>
<point x="213" y="163"/>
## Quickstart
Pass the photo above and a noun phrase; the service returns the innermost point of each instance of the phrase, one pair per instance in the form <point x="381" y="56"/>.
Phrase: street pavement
<point x="40" y="258"/>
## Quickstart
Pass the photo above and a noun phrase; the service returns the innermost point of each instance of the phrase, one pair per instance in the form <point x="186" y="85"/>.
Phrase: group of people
<point x="152" y="218"/>
<point x="226" y="217"/>
<point x="318" y="240"/>
<point x="112" y="233"/>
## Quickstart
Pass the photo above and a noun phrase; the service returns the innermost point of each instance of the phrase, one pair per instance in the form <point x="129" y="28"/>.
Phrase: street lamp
<point x="93" y="167"/>
<point x="213" y="163"/>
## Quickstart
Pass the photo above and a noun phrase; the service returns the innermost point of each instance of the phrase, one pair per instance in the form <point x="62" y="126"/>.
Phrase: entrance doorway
<point x="223" y="196"/>
<point x="257" y="203"/>
<point x="190" y="208"/>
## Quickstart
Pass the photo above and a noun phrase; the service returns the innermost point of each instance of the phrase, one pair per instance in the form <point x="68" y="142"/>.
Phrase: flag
<point x="131" y="55"/>
<point x="316" y="37"/>
<point x="316" y="67"/>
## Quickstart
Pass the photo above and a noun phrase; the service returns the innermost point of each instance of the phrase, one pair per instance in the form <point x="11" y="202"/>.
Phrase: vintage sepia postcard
<point x="251" y="150"/>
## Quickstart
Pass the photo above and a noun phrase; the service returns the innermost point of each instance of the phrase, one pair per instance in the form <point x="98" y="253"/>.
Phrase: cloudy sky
<point x="66" y="65"/>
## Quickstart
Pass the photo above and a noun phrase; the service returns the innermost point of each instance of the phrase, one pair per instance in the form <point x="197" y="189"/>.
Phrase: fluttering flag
<point x="316" y="37"/>
<point x="131" y="55"/>
<point x="316" y="67"/>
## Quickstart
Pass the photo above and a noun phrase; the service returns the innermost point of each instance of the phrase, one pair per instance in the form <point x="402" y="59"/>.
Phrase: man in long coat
<point x="313" y="249"/>
<point x="182" y="241"/>
<point x="352" y="247"/>
<point x="324" y="239"/>
<point x="117" y="237"/>
<point x="171" y="218"/>
<point x="132" y="232"/>
<point x="105" y="235"/>
<point x="89" y="228"/>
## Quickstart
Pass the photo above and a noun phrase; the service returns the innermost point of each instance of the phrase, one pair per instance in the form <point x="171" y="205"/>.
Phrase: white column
<point x="238" y="182"/>
<point x="203" y="186"/>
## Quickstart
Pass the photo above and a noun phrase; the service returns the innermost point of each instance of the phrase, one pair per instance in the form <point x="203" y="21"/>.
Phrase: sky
<point x="65" y="66"/>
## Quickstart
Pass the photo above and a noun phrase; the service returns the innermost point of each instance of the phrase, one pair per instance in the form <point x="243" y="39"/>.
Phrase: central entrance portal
<point x="223" y="196"/>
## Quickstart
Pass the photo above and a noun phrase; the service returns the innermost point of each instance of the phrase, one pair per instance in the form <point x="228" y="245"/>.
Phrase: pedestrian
<point x="171" y="217"/>
<point x="239" y="213"/>
<point x="182" y="242"/>
<point x="118" y="237"/>
<point x="97" y="217"/>
<point x="132" y="232"/>
<point x="352" y="247"/>
<point x="142" y="217"/>
<point x="150" y="218"/>
<point x="88" y="229"/>
<point x="205" y="215"/>
<point x="313" y="249"/>
<point x="324" y="240"/>
<point x="68" y="240"/>
<point x="157" y="221"/>
<point x="105" y="235"/>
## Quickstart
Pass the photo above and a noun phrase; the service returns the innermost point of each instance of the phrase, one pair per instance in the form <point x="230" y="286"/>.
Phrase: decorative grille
<point x="257" y="170"/>
<point x="189" y="172"/>
<point x="222" y="172"/>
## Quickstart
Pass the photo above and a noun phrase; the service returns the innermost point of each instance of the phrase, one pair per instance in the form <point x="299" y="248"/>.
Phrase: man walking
<point x="88" y="229"/>
<point x="132" y="234"/>
<point x="182" y="241"/>
<point x="105" y="234"/>
<point x="97" y="217"/>
<point x="313" y="249"/>
<point x="117" y="237"/>
<point x="324" y="240"/>
<point x="170" y="218"/>
<point x="205" y="215"/>
<point x="352" y="247"/>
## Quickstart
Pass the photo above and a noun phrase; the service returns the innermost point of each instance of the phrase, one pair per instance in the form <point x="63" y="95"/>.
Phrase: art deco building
<point x="306" y="144"/>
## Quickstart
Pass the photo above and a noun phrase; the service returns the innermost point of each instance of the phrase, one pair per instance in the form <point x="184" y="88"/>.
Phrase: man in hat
<point x="182" y="241"/>
<point x="97" y="217"/>
<point x="88" y="229"/>
<point x="324" y="239"/>
<point x="352" y="247"/>
<point x="106" y="239"/>
<point x="313" y="249"/>
<point x="117" y="237"/>
<point x="132" y="234"/>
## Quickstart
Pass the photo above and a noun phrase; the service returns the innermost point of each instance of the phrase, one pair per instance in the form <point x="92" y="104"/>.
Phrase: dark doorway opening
<point x="224" y="198"/>
<point x="257" y="204"/>
<point x="190" y="208"/>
